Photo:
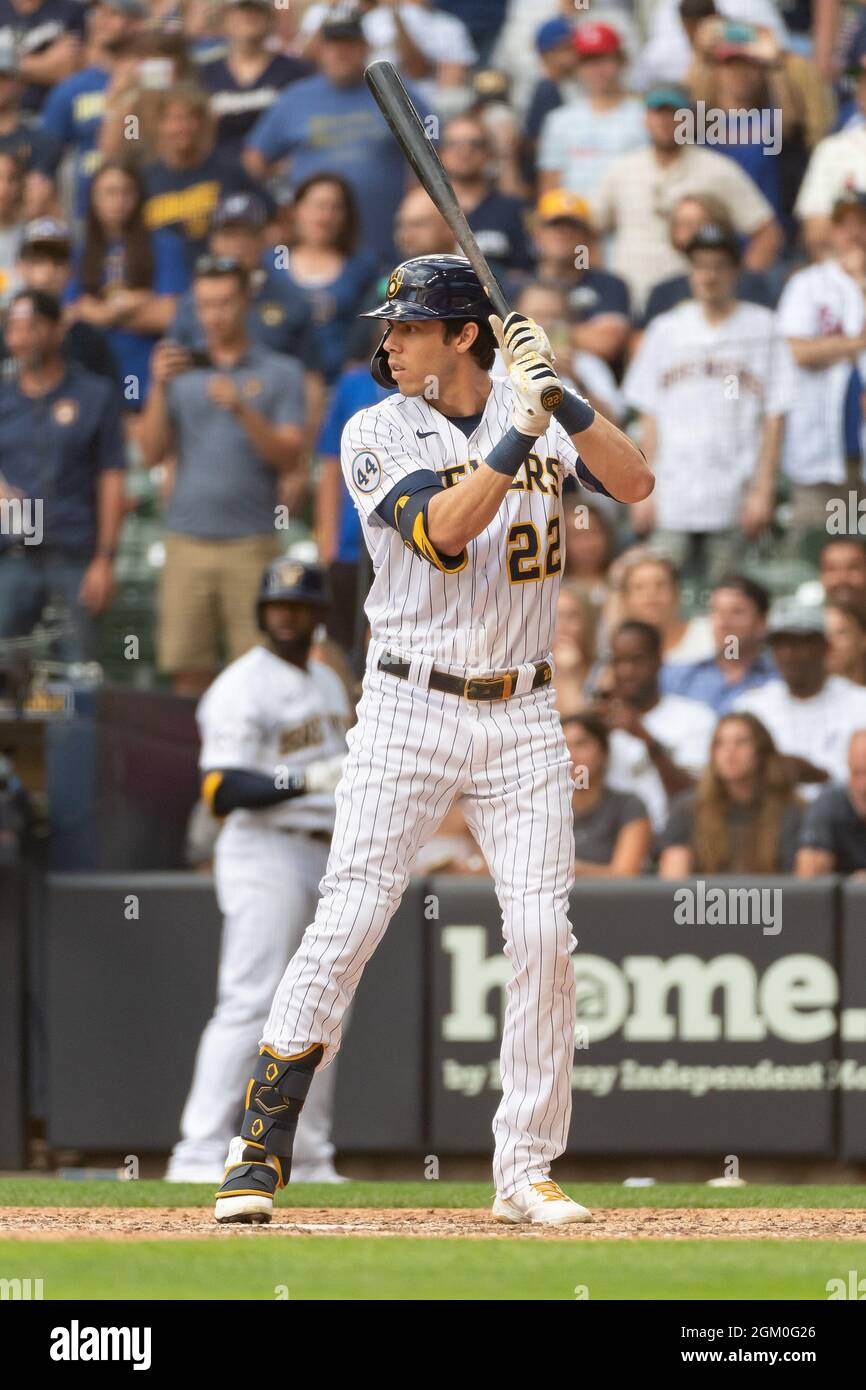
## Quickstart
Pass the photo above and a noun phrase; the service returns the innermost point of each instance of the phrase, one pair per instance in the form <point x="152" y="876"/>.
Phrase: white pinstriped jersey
<point x="498" y="610"/>
<point x="263" y="714"/>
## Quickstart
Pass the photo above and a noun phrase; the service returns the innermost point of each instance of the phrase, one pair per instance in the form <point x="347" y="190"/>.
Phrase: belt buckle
<point x="503" y="686"/>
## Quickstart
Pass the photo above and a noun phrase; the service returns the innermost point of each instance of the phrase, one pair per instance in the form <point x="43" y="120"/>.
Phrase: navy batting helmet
<point x="428" y="287"/>
<point x="292" y="581"/>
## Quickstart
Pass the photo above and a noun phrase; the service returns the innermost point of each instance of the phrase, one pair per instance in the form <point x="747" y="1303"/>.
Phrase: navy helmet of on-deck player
<point x="428" y="287"/>
<point x="292" y="581"/>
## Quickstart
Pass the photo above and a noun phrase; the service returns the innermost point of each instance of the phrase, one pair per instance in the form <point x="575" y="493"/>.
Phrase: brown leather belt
<point x="498" y="686"/>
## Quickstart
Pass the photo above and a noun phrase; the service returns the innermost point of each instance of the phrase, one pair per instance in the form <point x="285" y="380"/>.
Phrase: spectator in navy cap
<point x="554" y="43"/>
<point x="45" y="264"/>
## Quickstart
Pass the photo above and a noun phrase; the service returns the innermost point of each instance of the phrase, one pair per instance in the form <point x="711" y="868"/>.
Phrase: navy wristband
<point x="575" y="414"/>
<point x="510" y="454"/>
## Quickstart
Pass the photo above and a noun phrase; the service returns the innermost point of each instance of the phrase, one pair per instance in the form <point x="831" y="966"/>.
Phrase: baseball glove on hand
<point x="323" y="776"/>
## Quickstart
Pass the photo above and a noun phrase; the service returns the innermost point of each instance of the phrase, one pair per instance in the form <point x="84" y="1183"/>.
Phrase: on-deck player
<point x="273" y="738"/>
<point x="458" y="482"/>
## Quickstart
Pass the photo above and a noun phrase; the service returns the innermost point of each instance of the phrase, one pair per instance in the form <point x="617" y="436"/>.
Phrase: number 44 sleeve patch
<point x="366" y="471"/>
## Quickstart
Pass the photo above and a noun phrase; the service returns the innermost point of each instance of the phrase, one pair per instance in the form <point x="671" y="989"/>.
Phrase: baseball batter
<point x="273" y="740"/>
<point x="458" y="483"/>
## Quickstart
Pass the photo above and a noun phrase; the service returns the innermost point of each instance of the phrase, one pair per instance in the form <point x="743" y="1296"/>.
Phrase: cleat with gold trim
<point x="543" y="1203"/>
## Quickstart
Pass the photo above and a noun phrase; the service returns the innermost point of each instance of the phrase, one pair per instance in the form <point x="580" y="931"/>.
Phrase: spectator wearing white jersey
<point x="822" y="313"/>
<point x="810" y="715"/>
<point x="713" y="381"/>
<point x="837" y="165"/>
<point x="659" y="743"/>
<point x="636" y="195"/>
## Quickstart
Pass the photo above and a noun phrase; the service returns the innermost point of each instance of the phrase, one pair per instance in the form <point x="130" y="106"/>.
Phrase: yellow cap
<point x="559" y="202"/>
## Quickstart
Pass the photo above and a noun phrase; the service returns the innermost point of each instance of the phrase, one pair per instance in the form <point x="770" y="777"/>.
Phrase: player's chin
<point x="407" y="383"/>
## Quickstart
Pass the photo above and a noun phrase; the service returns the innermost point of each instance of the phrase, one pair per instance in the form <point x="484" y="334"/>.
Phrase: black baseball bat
<point x="409" y="131"/>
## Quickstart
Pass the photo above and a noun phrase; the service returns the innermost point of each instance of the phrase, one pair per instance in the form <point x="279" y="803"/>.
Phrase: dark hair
<point x="843" y="540"/>
<point x="649" y="635"/>
<point x="137" y="246"/>
<point x="209" y="267"/>
<point x="17" y="167"/>
<point x="697" y="9"/>
<point x="46" y="305"/>
<point x="483" y="350"/>
<point x="594" y="726"/>
<point x="347" y="237"/>
<point x="749" y="588"/>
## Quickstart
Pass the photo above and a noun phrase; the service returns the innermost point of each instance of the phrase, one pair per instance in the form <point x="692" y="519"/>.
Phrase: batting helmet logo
<point x="394" y="282"/>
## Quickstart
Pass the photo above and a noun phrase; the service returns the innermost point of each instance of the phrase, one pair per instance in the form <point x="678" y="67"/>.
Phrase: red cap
<point x="593" y="39"/>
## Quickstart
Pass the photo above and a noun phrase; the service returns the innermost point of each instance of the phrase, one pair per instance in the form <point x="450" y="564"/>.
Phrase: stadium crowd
<point x="198" y="198"/>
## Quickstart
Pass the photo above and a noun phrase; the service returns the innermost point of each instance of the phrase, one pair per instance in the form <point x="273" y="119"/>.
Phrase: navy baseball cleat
<point x="248" y="1187"/>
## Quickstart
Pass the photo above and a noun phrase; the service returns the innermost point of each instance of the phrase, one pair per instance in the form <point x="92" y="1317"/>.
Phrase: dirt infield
<point x="174" y="1223"/>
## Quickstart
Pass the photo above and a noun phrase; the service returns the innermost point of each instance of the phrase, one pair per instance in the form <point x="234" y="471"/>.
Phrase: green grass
<point x="54" y="1192"/>
<point x="395" y="1268"/>
<point x="265" y="1264"/>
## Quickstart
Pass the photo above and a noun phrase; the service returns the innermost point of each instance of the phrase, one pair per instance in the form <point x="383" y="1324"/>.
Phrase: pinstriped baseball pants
<point x="412" y="753"/>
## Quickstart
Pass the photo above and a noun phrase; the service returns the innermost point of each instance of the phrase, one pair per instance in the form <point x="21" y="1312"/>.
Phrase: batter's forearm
<point x="617" y="463"/>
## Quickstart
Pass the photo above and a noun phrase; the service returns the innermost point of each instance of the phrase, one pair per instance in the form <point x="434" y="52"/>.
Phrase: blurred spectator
<point x="590" y="375"/>
<point x="568" y="257"/>
<point x="150" y="63"/>
<point x="127" y="280"/>
<point x="330" y="123"/>
<point x="431" y="48"/>
<point x="837" y="166"/>
<point x="674" y="24"/>
<point x="554" y="43"/>
<point x="279" y="317"/>
<point x="743" y="817"/>
<point x="46" y="37"/>
<point x="73" y="114"/>
<point x="637" y="193"/>
<point x="715" y="450"/>
<point x="188" y="177"/>
<point x="29" y="145"/>
<point x="11" y="223"/>
<point x="62" y="451"/>
<point x="574" y="645"/>
<point x="845" y="630"/>
<point x="842" y="570"/>
<point x="809" y="714"/>
<point x="420" y="229"/>
<point x="325" y="264"/>
<point x="249" y="79"/>
<point x="833" y="839"/>
<point x="589" y="544"/>
<point x="338" y="530"/>
<point x="611" y="828"/>
<point x="579" y="141"/>
<point x="740" y="662"/>
<point x="45" y="263"/>
<point x="659" y="743"/>
<point x="741" y="73"/>
<point x="646" y="589"/>
<point x="495" y="218"/>
<point x="822" y="313"/>
<point x="483" y="19"/>
<point x="690" y="215"/>
<point x="235" y="418"/>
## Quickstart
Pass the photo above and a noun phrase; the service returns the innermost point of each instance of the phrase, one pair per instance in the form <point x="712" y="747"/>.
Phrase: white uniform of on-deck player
<point x="262" y="714"/>
<point x="415" y="750"/>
